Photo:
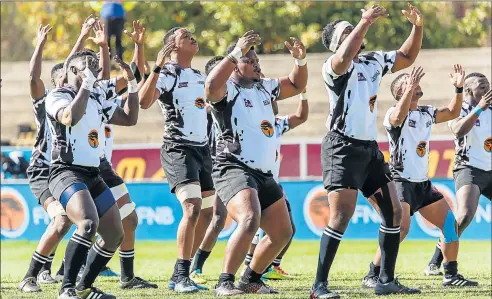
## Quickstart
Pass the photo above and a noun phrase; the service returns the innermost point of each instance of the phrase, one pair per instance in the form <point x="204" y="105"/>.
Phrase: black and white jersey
<point x="79" y="144"/>
<point x="107" y="132"/>
<point x="245" y="125"/>
<point x="211" y="134"/>
<point x="353" y="104"/>
<point x="41" y="151"/>
<point x="281" y="127"/>
<point x="475" y="148"/>
<point x="409" y="144"/>
<point x="182" y="102"/>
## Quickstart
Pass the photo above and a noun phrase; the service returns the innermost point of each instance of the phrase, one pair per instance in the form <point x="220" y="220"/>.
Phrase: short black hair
<point x="231" y="48"/>
<point x="170" y="33"/>
<point x="327" y="33"/>
<point x="395" y="84"/>
<point x="212" y="63"/>
<point x="78" y="55"/>
<point x="56" y="68"/>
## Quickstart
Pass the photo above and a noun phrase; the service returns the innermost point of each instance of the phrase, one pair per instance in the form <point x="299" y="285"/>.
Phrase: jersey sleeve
<point x="433" y="112"/>
<point x="108" y="109"/>
<point x="386" y="122"/>
<point x="108" y="87"/>
<point x="386" y="60"/>
<point x="282" y="125"/>
<point x="272" y="86"/>
<point x="165" y="82"/>
<point x="55" y="101"/>
<point x="328" y="71"/>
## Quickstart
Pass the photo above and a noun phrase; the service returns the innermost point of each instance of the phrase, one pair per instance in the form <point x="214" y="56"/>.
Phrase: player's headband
<point x="339" y="29"/>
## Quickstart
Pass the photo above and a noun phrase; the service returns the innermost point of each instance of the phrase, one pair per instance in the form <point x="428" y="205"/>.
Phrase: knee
<point x="286" y="234"/>
<point x="249" y="223"/>
<point x="464" y="219"/>
<point x="61" y="225"/>
<point x="218" y="223"/>
<point x="131" y="221"/>
<point x="340" y="219"/>
<point x="191" y="210"/>
<point x="89" y="226"/>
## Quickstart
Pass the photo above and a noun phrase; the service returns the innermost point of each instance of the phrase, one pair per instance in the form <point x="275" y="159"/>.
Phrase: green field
<point x="155" y="260"/>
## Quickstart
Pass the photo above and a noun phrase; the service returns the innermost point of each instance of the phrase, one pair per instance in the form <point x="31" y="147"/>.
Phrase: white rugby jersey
<point x="245" y="125"/>
<point x="475" y="148"/>
<point x="79" y="144"/>
<point x="281" y="126"/>
<point x="41" y="151"/>
<point x="182" y="102"/>
<point x="409" y="144"/>
<point x="353" y="105"/>
<point x="107" y="132"/>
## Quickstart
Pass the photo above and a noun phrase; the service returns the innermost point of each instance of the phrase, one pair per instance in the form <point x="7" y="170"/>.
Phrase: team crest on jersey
<point x="267" y="128"/>
<point x="93" y="138"/>
<point x="360" y="77"/>
<point x="182" y="84"/>
<point x="372" y="102"/>
<point x="248" y="103"/>
<point x="412" y="123"/>
<point x="200" y="103"/>
<point x="487" y="144"/>
<point x="107" y="131"/>
<point x="422" y="148"/>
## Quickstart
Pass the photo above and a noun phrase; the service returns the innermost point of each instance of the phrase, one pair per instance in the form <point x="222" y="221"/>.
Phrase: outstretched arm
<point x="100" y="40"/>
<point x="400" y="112"/>
<point x="461" y="126"/>
<point x="302" y="113"/>
<point x="36" y="85"/>
<point x="296" y="82"/>
<point x="408" y="52"/>
<point x="84" y="34"/>
<point x="453" y="109"/>
<point x="128" y="115"/>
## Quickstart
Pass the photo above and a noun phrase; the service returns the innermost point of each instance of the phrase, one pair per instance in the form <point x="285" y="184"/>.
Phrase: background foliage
<point x="217" y="24"/>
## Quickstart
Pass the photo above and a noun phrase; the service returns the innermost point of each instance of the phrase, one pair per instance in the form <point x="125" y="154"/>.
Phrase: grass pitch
<point x="155" y="261"/>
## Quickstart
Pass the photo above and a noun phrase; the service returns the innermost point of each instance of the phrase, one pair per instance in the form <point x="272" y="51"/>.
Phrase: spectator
<point x="113" y="16"/>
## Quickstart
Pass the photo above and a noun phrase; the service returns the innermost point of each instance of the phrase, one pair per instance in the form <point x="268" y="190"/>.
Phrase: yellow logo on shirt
<point x="199" y="103"/>
<point x="93" y="138"/>
<point x="422" y="148"/>
<point x="487" y="145"/>
<point x="267" y="128"/>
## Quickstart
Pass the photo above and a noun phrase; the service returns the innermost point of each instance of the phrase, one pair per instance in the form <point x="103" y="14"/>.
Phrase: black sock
<point x="62" y="268"/>
<point x="97" y="259"/>
<point x="389" y="243"/>
<point x="126" y="263"/>
<point x="47" y="265"/>
<point x="199" y="260"/>
<point x="437" y="258"/>
<point x="277" y="261"/>
<point x="75" y="254"/>
<point x="182" y="268"/>
<point x="250" y="276"/>
<point x="37" y="262"/>
<point x="327" y="250"/>
<point x="373" y="270"/>
<point x="450" y="269"/>
<point x="248" y="259"/>
<point x="226" y="277"/>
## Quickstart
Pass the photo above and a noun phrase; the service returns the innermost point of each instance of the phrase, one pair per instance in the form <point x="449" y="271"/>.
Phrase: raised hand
<point x="138" y="34"/>
<point x="248" y="40"/>
<point x="486" y="100"/>
<point x="414" y="16"/>
<point x="298" y="50"/>
<point x="43" y="33"/>
<point x="165" y="52"/>
<point x="414" y="79"/>
<point x="87" y="26"/>
<point x="125" y="69"/>
<point x="458" y="77"/>
<point x="100" y="34"/>
<point x="373" y="13"/>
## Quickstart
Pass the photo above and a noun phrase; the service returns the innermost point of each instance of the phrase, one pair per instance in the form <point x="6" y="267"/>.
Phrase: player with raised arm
<point x="473" y="162"/>
<point x="350" y="157"/>
<point x="241" y="107"/>
<point x="409" y="125"/>
<point x="38" y="172"/>
<point x="185" y="154"/>
<point x="76" y="112"/>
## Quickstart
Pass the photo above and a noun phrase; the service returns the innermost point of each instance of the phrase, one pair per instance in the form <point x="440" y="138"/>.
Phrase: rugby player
<point x="76" y="112"/>
<point x="40" y="267"/>
<point x="473" y="162"/>
<point x="185" y="154"/>
<point x="351" y="159"/>
<point x="241" y="108"/>
<point x="409" y="125"/>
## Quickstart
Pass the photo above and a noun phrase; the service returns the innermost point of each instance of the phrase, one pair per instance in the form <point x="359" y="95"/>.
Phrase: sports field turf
<point x="155" y="261"/>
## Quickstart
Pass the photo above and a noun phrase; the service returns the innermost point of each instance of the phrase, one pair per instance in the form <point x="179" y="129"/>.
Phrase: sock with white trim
<point x="126" y="263"/>
<point x="327" y="250"/>
<point x="97" y="259"/>
<point x="450" y="269"/>
<point x="37" y="262"/>
<point x="437" y="258"/>
<point x="248" y="259"/>
<point x="47" y="265"/>
<point x="75" y="255"/>
<point x="276" y="262"/>
<point x="389" y="243"/>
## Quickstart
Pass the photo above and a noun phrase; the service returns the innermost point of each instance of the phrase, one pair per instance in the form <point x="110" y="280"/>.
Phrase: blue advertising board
<point x="159" y="213"/>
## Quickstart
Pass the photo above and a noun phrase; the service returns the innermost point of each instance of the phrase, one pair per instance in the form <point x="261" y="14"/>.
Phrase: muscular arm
<point x="104" y="62"/>
<point x="121" y="82"/>
<point x="406" y="55"/>
<point x="300" y="116"/>
<point x="451" y="111"/>
<point x="349" y="48"/>
<point x="148" y="92"/>
<point x="36" y="85"/>
<point x="400" y="112"/>
<point x="215" y="86"/>
<point x="73" y="113"/>
<point x="128" y="115"/>
<point x="461" y="126"/>
<point x="295" y="83"/>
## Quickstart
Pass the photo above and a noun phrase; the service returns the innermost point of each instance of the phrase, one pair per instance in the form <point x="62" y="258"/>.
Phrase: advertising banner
<point x="159" y="213"/>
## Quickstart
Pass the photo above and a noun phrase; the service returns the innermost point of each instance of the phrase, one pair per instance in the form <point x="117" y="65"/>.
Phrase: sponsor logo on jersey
<point x="372" y="102"/>
<point x="412" y="123"/>
<point x="487" y="144"/>
<point x="93" y="138"/>
<point x="15" y="213"/>
<point x="428" y="124"/>
<point x="267" y="128"/>
<point x="182" y="84"/>
<point x="248" y="103"/>
<point x="200" y="103"/>
<point x="266" y="102"/>
<point x="374" y="78"/>
<point x="360" y="77"/>
<point x="317" y="210"/>
<point x="422" y="148"/>
<point x="107" y="131"/>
